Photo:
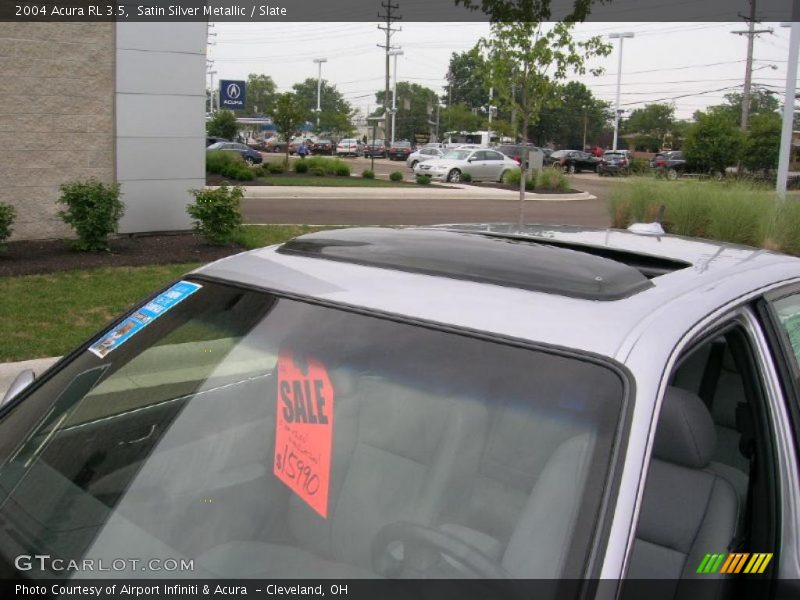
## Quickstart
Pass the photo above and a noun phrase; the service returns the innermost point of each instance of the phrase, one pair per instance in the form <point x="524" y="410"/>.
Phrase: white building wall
<point x="160" y="122"/>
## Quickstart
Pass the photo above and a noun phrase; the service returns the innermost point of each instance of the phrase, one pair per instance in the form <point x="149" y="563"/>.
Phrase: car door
<point x="494" y="164"/>
<point x="476" y="165"/>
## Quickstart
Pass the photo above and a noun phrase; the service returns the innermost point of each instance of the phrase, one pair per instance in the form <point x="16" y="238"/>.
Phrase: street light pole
<point x="788" y="110"/>
<point x="621" y="37"/>
<point x="319" y="62"/>
<point x="394" y="53"/>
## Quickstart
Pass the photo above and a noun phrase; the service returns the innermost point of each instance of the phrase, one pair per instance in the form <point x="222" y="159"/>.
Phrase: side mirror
<point x="20" y="383"/>
<point x="471" y="158"/>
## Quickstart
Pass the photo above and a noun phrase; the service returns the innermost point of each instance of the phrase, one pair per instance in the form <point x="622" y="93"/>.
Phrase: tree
<point x="336" y="113"/>
<point x="458" y="117"/>
<point x="416" y="109"/>
<point x="712" y="143"/>
<point x="222" y="124"/>
<point x="762" y="142"/>
<point x="760" y="102"/>
<point x="466" y="83"/>
<point x="530" y="11"/>
<point x="533" y="58"/>
<point x="570" y="109"/>
<point x="651" y="124"/>
<point x="260" y="91"/>
<point x="288" y="117"/>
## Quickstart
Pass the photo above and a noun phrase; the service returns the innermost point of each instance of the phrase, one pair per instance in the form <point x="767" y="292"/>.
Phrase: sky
<point x="692" y="65"/>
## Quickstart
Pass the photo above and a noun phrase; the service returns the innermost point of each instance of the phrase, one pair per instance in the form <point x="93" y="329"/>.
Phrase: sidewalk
<point x="8" y="371"/>
<point x="451" y="192"/>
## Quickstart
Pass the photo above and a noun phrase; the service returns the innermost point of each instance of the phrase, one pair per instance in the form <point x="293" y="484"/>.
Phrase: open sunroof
<point x="524" y="264"/>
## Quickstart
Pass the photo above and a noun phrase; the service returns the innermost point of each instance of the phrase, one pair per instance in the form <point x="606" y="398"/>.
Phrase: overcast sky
<point x="687" y="64"/>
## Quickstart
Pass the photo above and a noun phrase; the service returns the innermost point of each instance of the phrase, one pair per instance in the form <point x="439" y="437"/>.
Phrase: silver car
<point x="422" y="155"/>
<point x="481" y="164"/>
<point x="535" y="403"/>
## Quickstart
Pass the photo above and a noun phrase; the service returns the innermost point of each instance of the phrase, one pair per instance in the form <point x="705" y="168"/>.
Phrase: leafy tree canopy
<point x="222" y="124"/>
<point x="416" y="109"/>
<point x="260" y="93"/>
<point x="336" y="113"/>
<point x="712" y="143"/>
<point x="288" y="117"/>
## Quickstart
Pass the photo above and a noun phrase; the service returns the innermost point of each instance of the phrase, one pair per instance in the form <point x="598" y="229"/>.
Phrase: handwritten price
<point x="298" y="471"/>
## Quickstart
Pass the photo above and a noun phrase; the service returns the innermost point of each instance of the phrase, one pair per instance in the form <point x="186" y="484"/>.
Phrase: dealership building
<point x="119" y="102"/>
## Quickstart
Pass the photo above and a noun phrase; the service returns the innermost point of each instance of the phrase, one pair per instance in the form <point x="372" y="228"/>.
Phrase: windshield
<point x="241" y="434"/>
<point x="457" y="154"/>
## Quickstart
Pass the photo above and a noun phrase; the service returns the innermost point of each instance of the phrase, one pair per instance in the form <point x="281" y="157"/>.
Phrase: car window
<point x="457" y="155"/>
<point x="788" y="312"/>
<point x="278" y="431"/>
<point x="491" y="155"/>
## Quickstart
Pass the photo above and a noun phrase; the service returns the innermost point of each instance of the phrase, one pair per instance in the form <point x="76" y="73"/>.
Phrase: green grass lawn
<point x="328" y="181"/>
<point x="48" y="315"/>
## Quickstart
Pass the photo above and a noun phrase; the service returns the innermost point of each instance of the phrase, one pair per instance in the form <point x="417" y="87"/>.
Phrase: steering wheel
<point x="402" y="531"/>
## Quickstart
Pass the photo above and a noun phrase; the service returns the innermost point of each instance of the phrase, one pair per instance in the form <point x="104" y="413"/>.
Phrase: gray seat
<point x="687" y="510"/>
<point x="400" y="454"/>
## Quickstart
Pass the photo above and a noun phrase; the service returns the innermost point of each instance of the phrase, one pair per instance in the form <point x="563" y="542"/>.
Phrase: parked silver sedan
<point x="480" y="164"/>
<point x="422" y="155"/>
<point x="528" y="405"/>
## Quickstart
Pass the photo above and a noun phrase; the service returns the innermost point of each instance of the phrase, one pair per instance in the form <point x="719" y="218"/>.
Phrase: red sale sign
<point x="304" y="429"/>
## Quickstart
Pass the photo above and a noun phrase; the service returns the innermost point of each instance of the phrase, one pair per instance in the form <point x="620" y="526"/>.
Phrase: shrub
<point x="216" y="213"/>
<point x="7" y="216"/>
<point x="465" y="177"/>
<point x="276" y="168"/>
<point x="367" y="174"/>
<point x="342" y="170"/>
<point x="218" y="160"/>
<point x="639" y="165"/>
<point x="396" y="176"/>
<point x="423" y="179"/>
<point x="318" y="172"/>
<point x="300" y="167"/>
<point x="331" y="166"/>
<point x="512" y="177"/>
<point x="552" y="180"/>
<point x="93" y="210"/>
<point x="783" y="232"/>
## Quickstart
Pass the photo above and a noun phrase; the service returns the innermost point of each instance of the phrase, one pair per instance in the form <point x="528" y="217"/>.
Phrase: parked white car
<point x="481" y="164"/>
<point x="422" y="155"/>
<point x="349" y="147"/>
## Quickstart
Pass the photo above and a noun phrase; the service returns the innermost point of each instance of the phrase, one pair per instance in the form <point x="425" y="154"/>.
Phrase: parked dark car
<point x="324" y="146"/>
<point x="250" y="156"/>
<point x="573" y="161"/>
<point x="400" y="150"/>
<point x="615" y="162"/>
<point x="214" y="140"/>
<point x="672" y="164"/>
<point x="376" y="148"/>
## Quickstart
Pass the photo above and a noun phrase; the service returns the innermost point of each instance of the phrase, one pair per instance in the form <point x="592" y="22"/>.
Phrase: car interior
<point x="437" y="471"/>
<point x="710" y="486"/>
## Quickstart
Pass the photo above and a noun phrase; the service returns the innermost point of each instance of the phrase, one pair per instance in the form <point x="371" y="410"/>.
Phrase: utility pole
<point x="389" y="30"/>
<point x="784" y="156"/>
<point x="751" y="33"/>
<point x="395" y="54"/>
<point x="617" y="113"/>
<point x="210" y="63"/>
<point x="319" y="62"/>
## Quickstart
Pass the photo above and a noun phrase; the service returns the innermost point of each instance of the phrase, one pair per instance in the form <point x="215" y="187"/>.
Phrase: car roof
<point x="686" y="279"/>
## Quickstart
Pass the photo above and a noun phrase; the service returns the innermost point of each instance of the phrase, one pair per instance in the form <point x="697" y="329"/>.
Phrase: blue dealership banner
<point x="231" y="94"/>
<point x="125" y="330"/>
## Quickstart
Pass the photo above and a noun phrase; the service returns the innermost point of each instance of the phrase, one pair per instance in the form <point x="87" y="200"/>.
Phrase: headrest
<point x="685" y="434"/>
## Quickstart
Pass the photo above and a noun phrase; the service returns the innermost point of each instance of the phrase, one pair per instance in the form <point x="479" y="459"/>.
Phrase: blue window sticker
<point x="125" y="330"/>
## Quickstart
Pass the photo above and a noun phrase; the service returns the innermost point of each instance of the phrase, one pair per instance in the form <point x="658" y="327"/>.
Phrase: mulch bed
<point x="51" y="256"/>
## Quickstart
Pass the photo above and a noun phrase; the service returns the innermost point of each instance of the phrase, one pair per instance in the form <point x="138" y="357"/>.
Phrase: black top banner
<point x="406" y="10"/>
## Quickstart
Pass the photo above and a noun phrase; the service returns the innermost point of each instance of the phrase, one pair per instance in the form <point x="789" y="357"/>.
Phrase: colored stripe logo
<point x="735" y="562"/>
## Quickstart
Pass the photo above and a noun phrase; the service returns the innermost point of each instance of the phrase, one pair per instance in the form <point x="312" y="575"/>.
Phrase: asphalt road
<point x="432" y="210"/>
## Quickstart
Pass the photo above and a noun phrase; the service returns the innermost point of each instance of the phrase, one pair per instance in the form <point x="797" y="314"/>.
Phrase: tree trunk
<point x="523" y="172"/>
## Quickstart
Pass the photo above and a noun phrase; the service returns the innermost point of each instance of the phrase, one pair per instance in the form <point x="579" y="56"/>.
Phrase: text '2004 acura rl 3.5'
<point x="444" y="402"/>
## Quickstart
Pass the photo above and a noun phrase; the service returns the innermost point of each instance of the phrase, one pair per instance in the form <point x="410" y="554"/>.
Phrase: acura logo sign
<point x="234" y="91"/>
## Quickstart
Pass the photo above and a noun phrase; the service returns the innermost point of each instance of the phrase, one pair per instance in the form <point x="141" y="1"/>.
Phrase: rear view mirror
<point x="20" y="383"/>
